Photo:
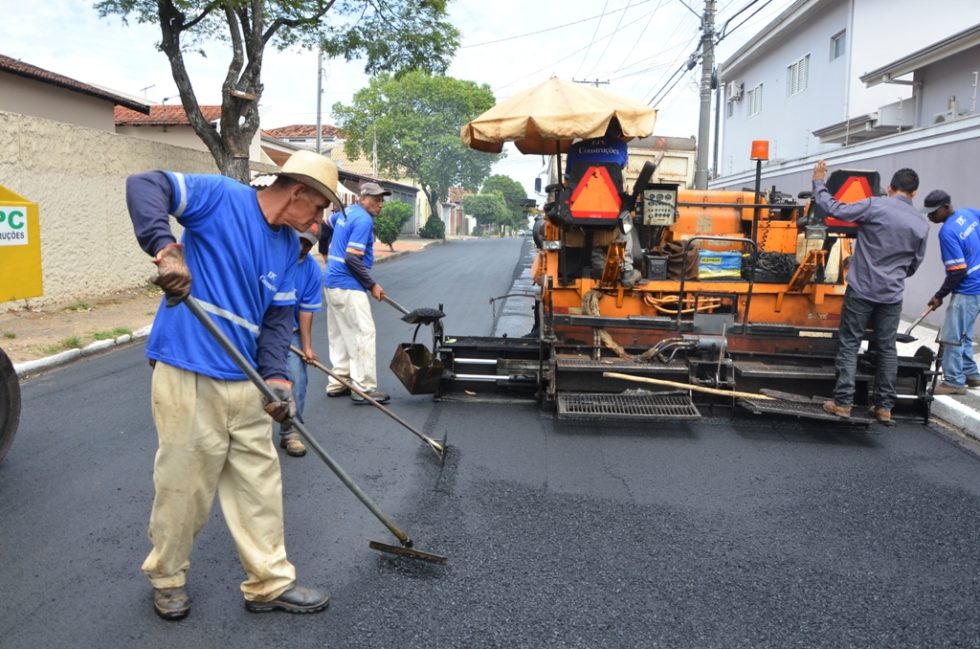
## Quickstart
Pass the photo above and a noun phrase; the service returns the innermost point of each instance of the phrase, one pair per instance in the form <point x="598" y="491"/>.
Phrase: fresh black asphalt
<point x="729" y="533"/>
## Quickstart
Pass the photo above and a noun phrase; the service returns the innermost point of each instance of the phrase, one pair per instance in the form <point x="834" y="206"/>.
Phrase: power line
<point x="615" y="29"/>
<point x="550" y="29"/>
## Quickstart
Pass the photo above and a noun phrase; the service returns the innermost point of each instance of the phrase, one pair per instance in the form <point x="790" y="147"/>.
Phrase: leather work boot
<point x="973" y="382"/>
<point x="834" y="409"/>
<point x="292" y="444"/>
<point x="883" y="415"/>
<point x="377" y="395"/>
<point x="296" y="599"/>
<point x="632" y="278"/>
<point x="949" y="388"/>
<point x="171" y="603"/>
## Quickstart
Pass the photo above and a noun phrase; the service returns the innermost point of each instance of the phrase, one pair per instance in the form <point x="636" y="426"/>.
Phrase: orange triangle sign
<point x="596" y="196"/>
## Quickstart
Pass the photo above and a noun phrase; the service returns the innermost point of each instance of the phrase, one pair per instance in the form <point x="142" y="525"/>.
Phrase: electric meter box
<point x="20" y="247"/>
<point x="659" y="204"/>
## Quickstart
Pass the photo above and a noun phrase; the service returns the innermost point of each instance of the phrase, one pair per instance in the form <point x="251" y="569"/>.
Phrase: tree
<point x="487" y="209"/>
<point x="388" y="224"/>
<point x="413" y="124"/>
<point x="513" y="194"/>
<point x="393" y="36"/>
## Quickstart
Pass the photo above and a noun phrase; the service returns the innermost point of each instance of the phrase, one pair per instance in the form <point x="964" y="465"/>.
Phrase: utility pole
<point x="704" y="121"/>
<point x="319" y="96"/>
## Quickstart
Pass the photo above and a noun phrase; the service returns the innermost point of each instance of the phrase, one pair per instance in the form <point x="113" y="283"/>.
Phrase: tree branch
<point x="278" y="23"/>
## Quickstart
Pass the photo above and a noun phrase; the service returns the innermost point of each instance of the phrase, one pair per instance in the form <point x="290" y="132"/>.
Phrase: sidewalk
<point x="39" y="339"/>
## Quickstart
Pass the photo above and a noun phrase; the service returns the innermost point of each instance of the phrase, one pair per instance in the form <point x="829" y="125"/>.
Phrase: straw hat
<point x="313" y="170"/>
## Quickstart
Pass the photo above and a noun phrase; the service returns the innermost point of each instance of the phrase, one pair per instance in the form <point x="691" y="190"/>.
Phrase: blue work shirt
<point x="351" y="234"/>
<point x="891" y="242"/>
<point x="959" y="242"/>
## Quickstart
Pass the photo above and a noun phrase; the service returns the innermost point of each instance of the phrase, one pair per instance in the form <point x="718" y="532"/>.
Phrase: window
<point x="797" y="76"/>
<point x="730" y="109"/>
<point x="754" y="98"/>
<point x="837" y="44"/>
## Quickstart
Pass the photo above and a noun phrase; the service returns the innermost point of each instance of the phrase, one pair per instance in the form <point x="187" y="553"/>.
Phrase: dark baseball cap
<point x="936" y="199"/>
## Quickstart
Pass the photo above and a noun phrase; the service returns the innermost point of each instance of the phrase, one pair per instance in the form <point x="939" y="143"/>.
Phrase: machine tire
<point x="9" y="403"/>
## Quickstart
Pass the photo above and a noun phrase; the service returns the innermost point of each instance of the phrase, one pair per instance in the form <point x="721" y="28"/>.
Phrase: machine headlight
<point x="552" y="245"/>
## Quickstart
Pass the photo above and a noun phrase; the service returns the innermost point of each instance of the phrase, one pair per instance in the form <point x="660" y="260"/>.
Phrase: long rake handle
<point x="259" y="382"/>
<point x="395" y="304"/>
<point x="433" y="444"/>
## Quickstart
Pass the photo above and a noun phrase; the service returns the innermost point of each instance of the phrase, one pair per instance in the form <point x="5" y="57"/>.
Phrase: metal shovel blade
<point x="907" y="337"/>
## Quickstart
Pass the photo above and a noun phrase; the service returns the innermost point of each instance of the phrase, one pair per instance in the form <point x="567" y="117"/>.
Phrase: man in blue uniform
<point x="238" y="257"/>
<point x="350" y="325"/>
<point x="891" y="243"/>
<point x="959" y="243"/>
<point x="308" y="301"/>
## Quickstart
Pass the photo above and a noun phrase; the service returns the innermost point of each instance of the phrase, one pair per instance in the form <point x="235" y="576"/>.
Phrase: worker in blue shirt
<point x="890" y="246"/>
<point x="959" y="243"/>
<point x="309" y="283"/>
<point x="348" y="238"/>
<point x="238" y="258"/>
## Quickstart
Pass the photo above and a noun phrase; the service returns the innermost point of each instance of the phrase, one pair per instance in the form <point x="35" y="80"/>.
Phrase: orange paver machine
<point x="733" y="306"/>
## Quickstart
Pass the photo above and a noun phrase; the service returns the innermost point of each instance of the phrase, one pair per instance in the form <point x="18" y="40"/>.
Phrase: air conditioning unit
<point x="733" y="90"/>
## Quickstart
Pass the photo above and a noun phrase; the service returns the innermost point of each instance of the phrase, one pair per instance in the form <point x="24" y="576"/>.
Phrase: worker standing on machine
<point x="890" y="245"/>
<point x="609" y="149"/>
<point x="959" y="243"/>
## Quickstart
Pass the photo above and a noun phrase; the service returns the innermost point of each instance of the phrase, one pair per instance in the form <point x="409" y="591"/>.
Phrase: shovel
<point x="418" y="316"/>
<point x="406" y="548"/>
<point x="907" y="337"/>
<point x="438" y="447"/>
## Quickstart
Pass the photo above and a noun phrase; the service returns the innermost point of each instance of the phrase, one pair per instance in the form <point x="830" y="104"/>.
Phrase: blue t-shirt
<point x="599" y="149"/>
<point x="354" y="234"/>
<point x="240" y="266"/>
<point x="959" y="241"/>
<point x="309" y="282"/>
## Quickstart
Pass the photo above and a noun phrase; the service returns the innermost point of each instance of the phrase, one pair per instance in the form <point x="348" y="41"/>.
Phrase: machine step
<point x="636" y="405"/>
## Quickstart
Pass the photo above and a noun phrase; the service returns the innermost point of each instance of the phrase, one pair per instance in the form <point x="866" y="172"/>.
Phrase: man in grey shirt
<point x="891" y="243"/>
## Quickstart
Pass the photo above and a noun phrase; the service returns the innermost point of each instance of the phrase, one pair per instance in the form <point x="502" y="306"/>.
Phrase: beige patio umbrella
<point x="550" y="116"/>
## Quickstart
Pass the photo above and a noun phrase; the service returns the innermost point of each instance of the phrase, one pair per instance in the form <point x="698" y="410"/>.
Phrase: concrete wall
<point x="955" y="77"/>
<point x="29" y="97"/>
<point x="77" y="175"/>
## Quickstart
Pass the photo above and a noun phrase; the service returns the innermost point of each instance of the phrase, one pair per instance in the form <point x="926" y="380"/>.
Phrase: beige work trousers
<point x="350" y="330"/>
<point x="214" y="435"/>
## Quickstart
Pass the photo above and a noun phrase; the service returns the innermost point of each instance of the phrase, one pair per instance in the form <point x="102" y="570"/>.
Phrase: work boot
<point x="377" y="395"/>
<point x="292" y="444"/>
<point x="171" y="603"/>
<point x="338" y="392"/>
<point x="632" y="278"/>
<point x="949" y="388"/>
<point x="834" y="409"/>
<point x="973" y="382"/>
<point x="296" y="599"/>
<point x="883" y="415"/>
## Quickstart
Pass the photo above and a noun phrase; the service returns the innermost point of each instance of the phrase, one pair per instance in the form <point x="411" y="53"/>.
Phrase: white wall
<point x="30" y="97"/>
<point x="957" y="77"/>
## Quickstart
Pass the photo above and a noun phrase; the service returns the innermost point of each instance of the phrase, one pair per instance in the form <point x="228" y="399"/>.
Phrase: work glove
<point x="284" y="407"/>
<point x="173" y="276"/>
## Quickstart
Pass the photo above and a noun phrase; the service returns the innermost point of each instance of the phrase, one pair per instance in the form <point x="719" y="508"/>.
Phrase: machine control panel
<point x="659" y="204"/>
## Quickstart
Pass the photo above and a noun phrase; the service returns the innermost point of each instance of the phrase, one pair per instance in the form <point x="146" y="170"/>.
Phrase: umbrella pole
<point x="558" y="154"/>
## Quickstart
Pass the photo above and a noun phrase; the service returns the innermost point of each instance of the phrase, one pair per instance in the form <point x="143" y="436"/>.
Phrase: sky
<point x="511" y="45"/>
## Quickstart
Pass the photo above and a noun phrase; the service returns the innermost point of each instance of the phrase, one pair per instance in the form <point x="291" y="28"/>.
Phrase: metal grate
<point x="602" y="406"/>
<point x="804" y="410"/>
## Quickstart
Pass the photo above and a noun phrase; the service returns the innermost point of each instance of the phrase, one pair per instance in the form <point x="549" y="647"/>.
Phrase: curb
<point x="31" y="367"/>
<point x="956" y="414"/>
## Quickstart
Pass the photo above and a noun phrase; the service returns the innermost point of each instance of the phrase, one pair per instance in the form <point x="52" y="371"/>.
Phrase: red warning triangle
<point x="854" y="189"/>
<point x="596" y="196"/>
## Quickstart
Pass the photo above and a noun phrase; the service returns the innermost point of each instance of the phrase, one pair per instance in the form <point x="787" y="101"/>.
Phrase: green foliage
<point x="9" y="335"/>
<point x="388" y="225"/>
<point x="434" y="228"/>
<point x="488" y="209"/>
<point x="392" y="37"/>
<point x="111" y="335"/>
<point x="514" y="196"/>
<point x="415" y="120"/>
<point x="78" y="307"/>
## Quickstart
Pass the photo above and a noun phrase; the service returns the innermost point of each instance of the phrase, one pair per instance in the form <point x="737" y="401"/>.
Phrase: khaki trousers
<point x="350" y="330"/>
<point x="214" y="435"/>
